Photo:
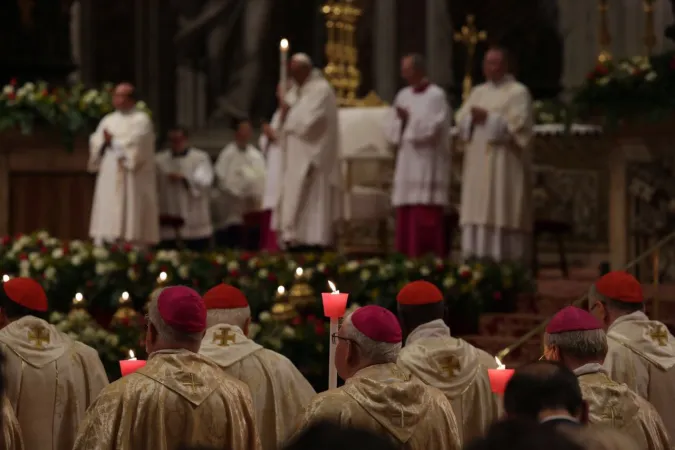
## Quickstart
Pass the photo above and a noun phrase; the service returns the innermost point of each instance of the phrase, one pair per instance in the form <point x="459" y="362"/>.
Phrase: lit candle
<point x="283" y="69"/>
<point x="499" y="377"/>
<point x="124" y="297"/>
<point x="78" y="299"/>
<point x="161" y="278"/>
<point x="298" y="272"/>
<point x="281" y="291"/>
<point x="334" y="306"/>
<point x="131" y="365"/>
<point x="6" y="278"/>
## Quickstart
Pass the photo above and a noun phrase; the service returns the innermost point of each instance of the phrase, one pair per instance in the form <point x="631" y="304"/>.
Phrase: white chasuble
<point x="496" y="182"/>
<point x="642" y="355"/>
<point x="240" y="177"/>
<point x="422" y="173"/>
<point x="457" y="369"/>
<point x="274" y="160"/>
<point x="125" y="198"/>
<point x="51" y="381"/>
<point x="280" y="392"/>
<point x="309" y="202"/>
<point x="188" y="199"/>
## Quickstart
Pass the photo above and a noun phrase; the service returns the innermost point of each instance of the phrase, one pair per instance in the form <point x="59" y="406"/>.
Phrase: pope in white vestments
<point x="184" y="179"/>
<point x="122" y="152"/>
<point x="280" y="393"/>
<point x="641" y="351"/>
<point x="419" y="125"/>
<point x="50" y="379"/>
<point x="240" y="178"/>
<point x="309" y="198"/>
<point x="496" y="124"/>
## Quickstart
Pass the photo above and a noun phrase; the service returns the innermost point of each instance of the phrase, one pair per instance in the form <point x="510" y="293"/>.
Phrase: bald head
<point x="301" y="68"/>
<point x="124" y="96"/>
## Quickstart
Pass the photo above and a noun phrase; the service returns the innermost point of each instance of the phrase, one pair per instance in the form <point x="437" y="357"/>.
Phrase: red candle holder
<point x="129" y="366"/>
<point x="334" y="304"/>
<point x="499" y="378"/>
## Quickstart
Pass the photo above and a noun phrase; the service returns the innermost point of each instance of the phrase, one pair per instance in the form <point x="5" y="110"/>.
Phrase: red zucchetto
<point x="182" y="309"/>
<point x="225" y="296"/>
<point x="573" y="319"/>
<point x="377" y="323"/>
<point x="419" y="293"/>
<point x="27" y="293"/>
<point x="620" y="286"/>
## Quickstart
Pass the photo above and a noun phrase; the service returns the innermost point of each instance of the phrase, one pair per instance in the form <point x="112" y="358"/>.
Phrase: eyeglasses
<point x="335" y="338"/>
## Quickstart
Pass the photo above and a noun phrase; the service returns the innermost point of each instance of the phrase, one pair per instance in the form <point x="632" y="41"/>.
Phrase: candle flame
<point x="281" y="290"/>
<point x="132" y="355"/>
<point x="499" y="364"/>
<point x="332" y="287"/>
<point x="78" y="297"/>
<point x="162" y="277"/>
<point x="283" y="45"/>
<point x="5" y="278"/>
<point x="125" y="296"/>
<point x="298" y="272"/>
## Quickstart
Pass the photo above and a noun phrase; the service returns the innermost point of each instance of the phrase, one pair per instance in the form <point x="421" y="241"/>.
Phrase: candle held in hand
<point x="131" y="365"/>
<point x="334" y="303"/>
<point x="499" y="377"/>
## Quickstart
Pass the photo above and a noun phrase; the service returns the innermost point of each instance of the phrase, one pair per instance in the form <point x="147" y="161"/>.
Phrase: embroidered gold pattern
<point x="451" y="366"/>
<point x="38" y="336"/>
<point x="224" y="338"/>
<point x="659" y="335"/>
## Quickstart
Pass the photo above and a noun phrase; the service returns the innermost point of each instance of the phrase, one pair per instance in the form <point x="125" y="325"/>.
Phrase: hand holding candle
<point x="283" y="69"/>
<point x="334" y="306"/>
<point x="499" y="377"/>
<point x="131" y="365"/>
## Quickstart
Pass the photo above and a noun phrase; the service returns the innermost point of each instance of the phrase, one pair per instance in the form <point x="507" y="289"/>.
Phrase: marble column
<point x="385" y="64"/>
<point x="439" y="43"/>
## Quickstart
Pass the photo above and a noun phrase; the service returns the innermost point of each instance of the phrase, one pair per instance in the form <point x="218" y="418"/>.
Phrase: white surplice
<point x="495" y="215"/>
<point x="240" y="178"/>
<point x="642" y="355"/>
<point x="189" y="199"/>
<point x="309" y="202"/>
<point x="274" y="164"/>
<point x="422" y="173"/>
<point x="125" y="198"/>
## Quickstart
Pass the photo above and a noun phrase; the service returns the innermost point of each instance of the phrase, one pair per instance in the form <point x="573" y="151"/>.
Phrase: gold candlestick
<point x="605" y="39"/>
<point x="650" y="33"/>
<point x="470" y="37"/>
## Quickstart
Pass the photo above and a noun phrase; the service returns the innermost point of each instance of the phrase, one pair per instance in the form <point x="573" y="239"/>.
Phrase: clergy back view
<point x="309" y="198"/>
<point x="280" y="393"/>
<point x="378" y="395"/>
<point x="419" y="126"/>
<point x="576" y="338"/>
<point x="641" y="351"/>
<point x="184" y="179"/>
<point x="122" y="151"/>
<point x="449" y="364"/>
<point x="179" y="397"/>
<point x="497" y="125"/>
<point x="51" y="379"/>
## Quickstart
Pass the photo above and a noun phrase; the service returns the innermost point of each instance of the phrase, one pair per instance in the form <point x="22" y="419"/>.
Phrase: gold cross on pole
<point x="38" y="336"/>
<point x="470" y="37"/>
<point x="451" y="366"/>
<point x="224" y="338"/>
<point x="659" y="335"/>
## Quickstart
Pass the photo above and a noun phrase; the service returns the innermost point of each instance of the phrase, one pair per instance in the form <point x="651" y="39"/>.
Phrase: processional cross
<point x="659" y="335"/>
<point x="224" y="338"/>
<point x="470" y="37"/>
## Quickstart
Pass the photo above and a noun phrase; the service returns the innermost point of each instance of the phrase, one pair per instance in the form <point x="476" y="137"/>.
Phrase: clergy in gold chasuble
<point x="179" y="398"/>
<point x="51" y="380"/>
<point x="11" y="430"/>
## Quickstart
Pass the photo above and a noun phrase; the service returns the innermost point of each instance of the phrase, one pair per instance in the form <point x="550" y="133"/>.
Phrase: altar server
<point x="641" y="351"/>
<point x="450" y="364"/>
<point x="280" y="392"/>
<point x="178" y="399"/>
<point x="184" y="178"/>
<point x="240" y="178"/>
<point x="51" y="379"/>
<point x="419" y="125"/>
<point x="122" y="152"/>
<point x="496" y="124"/>
<point x="309" y="202"/>
<point x="378" y="395"/>
<point x="575" y="338"/>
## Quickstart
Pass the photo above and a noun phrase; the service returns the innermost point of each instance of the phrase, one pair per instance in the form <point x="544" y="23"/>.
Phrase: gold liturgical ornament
<point x="125" y="311"/>
<point x="301" y="294"/>
<point x="470" y="37"/>
<point x="282" y="310"/>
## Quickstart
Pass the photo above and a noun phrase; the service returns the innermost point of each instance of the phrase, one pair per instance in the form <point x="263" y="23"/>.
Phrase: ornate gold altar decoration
<point x="125" y="310"/>
<point x="342" y="53"/>
<point x="470" y="37"/>
<point x="605" y="40"/>
<point x="301" y="293"/>
<point x="650" y="33"/>
<point x="282" y="309"/>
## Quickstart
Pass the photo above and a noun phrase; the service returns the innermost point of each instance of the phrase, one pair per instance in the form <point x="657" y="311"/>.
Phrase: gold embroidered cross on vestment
<point x="38" y="336"/>
<point x="451" y="366"/>
<point x="224" y="338"/>
<point x="660" y="335"/>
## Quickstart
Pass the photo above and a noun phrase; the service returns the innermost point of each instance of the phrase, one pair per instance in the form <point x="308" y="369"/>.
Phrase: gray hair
<point x="163" y="329"/>
<point x="235" y="316"/>
<point x="582" y="345"/>
<point x="375" y="352"/>
<point x="418" y="62"/>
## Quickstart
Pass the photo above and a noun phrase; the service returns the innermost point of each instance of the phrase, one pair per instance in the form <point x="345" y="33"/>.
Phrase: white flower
<point x="264" y="317"/>
<point x="253" y="263"/>
<point x="292" y="265"/>
<point x="101" y="268"/>
<point x="90" y="96"/>
<point x="651" y="76"/>
<point x="477" y="275"/>
<point x="449" y="282"/>
<point x="365" y="275"/>
<point x="8" y="89"/>
<point x="275" y="343"/>
<point x="56" y="317"/>
<point x="73" y="336"/>
<point x="263" y="273"/>
<point x="132" y="257"/>
<point x="52" y="242"/>
<point x="32" y="256"/>
<point x="42" y="235"/>
<point x="288" y="332"/>
<point x="408" y="264"/>
<point x="184" y="271"/>
<point x="425" y="271"/>
<point x="253" y="330"/>
<point x="100" y="253"/>
<point x="132" y="274"/>
<point x="603" y="81"/>
<point x="101" y="333"/>
<point x="220" y="259"/>
<point x="88" y="333"/>
<point x="62" y="326"/>
<point x="141" y="105"/>
<point x="76" y="260"/>
<point x="38" y="263"/>
<point x="321" y="267"/>
<point x="50" y="273"/>
<point x="232" y="265"/>
<point x="464" y="269"/>
<point x="76" y="244"/>
<point x="112" y="340"/>
<point x="352" y="266"/>
<point x="57" y="253"/>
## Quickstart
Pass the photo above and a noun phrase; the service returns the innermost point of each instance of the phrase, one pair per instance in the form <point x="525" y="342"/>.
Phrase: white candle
<point x="283" y="69"/>
<point x="132" y="355"/>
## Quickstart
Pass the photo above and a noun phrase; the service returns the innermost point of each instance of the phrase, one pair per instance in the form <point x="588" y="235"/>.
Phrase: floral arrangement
<point x="553" y="111"/>
<point x="632" y="89"/>
<point x="104" y="275"/>
<point x="73" y="110"/>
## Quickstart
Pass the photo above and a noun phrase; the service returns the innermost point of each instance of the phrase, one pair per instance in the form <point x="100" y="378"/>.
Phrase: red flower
<point x="234" y="273"/>
<point x="319" y="329"/>
<point x="6" y="240"/>
<point x="245" y="256"/>
<point x="311" y="318"/>
<point x="163" y="268"/>
<point x="44" y="93"/>
<point x="127" y="248"/>
<point x="18" y="236"/>
<point x="65" y="249"/>
<point x="43" y="250"/>
<point x="497" y="295"/>
<point x="149" y="257"/>
<point x="114" y="248"/>
<point x="12" y="82"/>
<point x="465" y="273"/>
<point x="271" y="277"/>
<point x="23" y="257"/>
<point x="296" y="321"/>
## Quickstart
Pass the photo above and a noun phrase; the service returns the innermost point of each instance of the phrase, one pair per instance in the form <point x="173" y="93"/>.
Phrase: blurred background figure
<point x="328" y="435"/>
<point x="522" y="434"/>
